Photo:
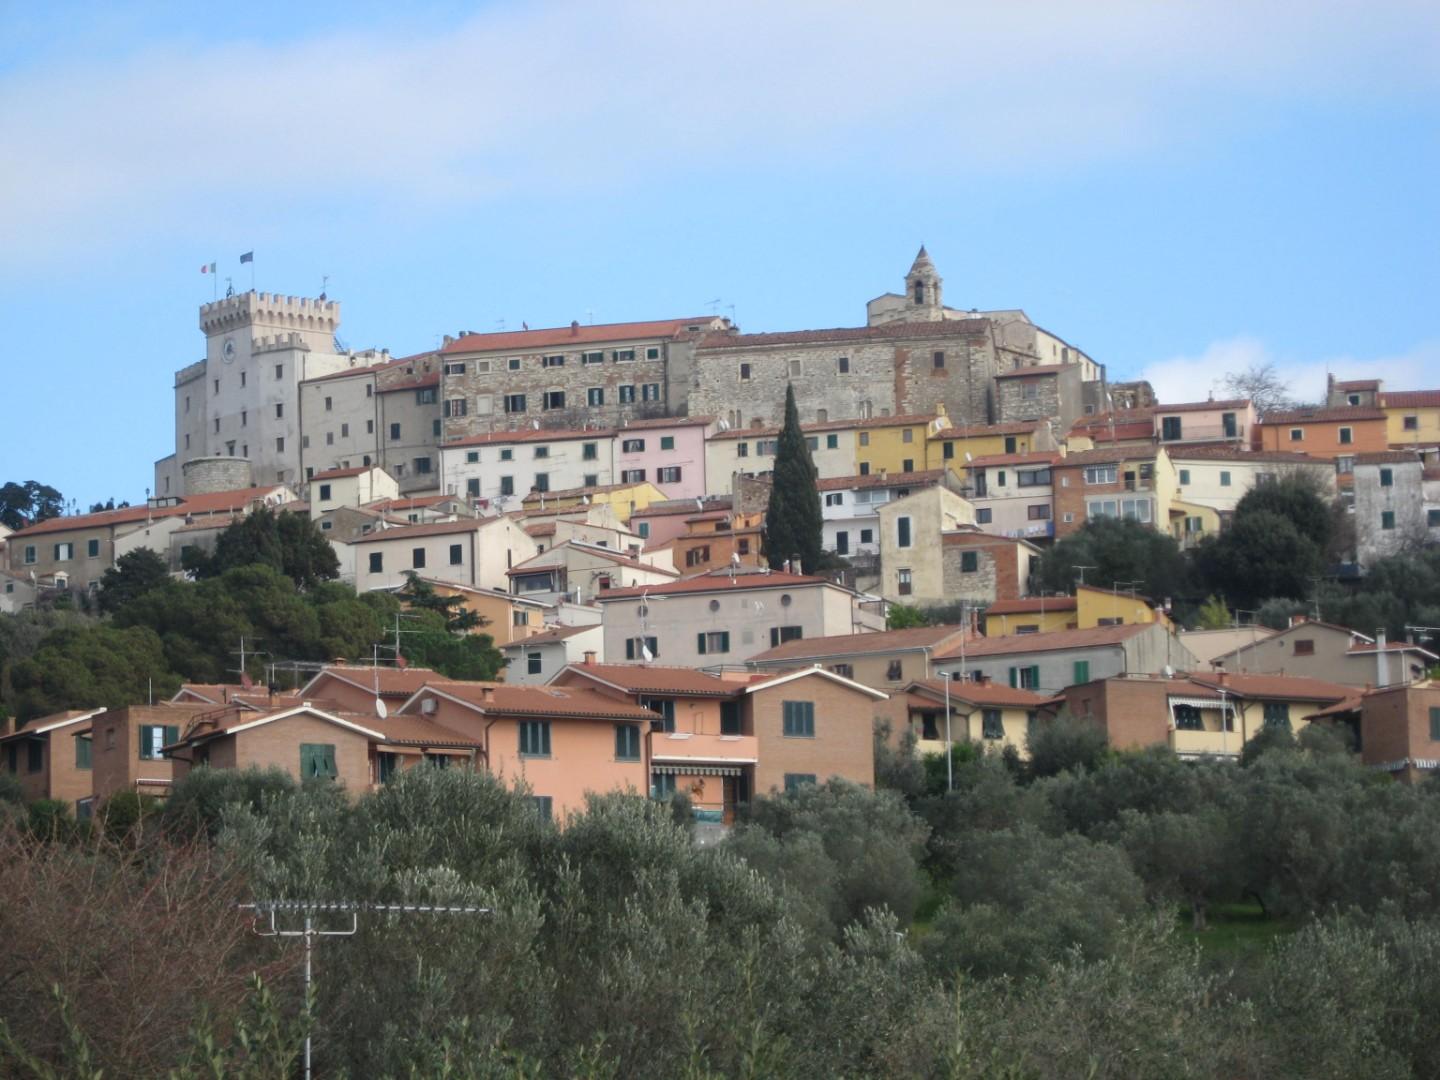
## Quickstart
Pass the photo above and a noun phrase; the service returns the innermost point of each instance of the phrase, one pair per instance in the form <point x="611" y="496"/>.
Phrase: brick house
<point x="1400" y="730"/>
<point x="981" y="568"/>
<point x="128" y="747"/>
<point x="1126" y="481"/>
<point x="50" y="757"/>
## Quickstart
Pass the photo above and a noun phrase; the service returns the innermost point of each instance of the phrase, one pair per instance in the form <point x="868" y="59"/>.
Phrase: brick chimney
<point x="487" y="695"/>
<point x="574" y="327"/>
<point x="589" y="657"/>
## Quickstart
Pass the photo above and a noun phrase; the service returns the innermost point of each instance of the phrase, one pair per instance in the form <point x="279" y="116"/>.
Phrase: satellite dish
<point x="968" y="457"/>
<point x="735" y="558"/>
<point x="699" y="503"/>
<point x="380" y="710"/>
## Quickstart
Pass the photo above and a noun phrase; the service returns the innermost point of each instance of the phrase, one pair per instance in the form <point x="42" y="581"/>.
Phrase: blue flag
<point x="249" y="257"/>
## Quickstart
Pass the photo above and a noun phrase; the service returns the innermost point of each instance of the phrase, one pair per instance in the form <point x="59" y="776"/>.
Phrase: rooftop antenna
<point x="1082" y="570"/>
<point x="310" y="908"/>
<point x="714" y="305"/>
<point x="241" y="652"/>
<point x="590" y="316"/>
<point x="324" y="285"/>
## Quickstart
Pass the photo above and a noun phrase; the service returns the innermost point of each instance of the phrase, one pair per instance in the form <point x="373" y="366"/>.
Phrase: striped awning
<point x="1203" y="703"/>
<point x="695" y="770"/>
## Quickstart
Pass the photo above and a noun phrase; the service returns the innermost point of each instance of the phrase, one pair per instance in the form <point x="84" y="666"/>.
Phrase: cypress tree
<point x="793" y="523"/>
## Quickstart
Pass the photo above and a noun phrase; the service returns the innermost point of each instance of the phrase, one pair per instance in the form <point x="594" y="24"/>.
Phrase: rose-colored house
<point x="668" y="452"/>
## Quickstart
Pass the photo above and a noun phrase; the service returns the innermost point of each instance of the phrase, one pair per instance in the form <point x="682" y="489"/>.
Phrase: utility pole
<point x="308" y="909"/>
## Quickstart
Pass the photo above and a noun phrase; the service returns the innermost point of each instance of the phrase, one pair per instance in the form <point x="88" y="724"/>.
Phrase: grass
<point x="1235" y="930"/>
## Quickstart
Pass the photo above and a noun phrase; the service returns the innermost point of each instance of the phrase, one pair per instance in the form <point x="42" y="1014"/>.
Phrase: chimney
<point x="1382" y="659"/>
<point x="574" y="327"/>
<point x="1296" y="620"/>
<point x="589" y="657"/>
<point x="487" y="695"/>
<point x="1222" y="677"/>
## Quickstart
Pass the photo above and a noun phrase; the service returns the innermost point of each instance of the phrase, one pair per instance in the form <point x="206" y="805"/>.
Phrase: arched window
<point x="919" y="292"/>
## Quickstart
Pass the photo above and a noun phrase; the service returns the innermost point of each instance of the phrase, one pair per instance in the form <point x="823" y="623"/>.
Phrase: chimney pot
<point x="487" y="694"/>
<point x="574" y="327"/>
<point x="589" y="657"/>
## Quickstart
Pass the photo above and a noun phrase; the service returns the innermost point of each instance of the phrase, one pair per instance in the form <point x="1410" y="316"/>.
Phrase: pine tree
<point x="793" y="522"/>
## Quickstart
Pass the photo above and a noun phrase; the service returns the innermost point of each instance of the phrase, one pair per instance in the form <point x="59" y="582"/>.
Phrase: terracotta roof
<point x="1358" y="384"/>
<point x="664" y="507"/>
<point x="527" y="435"/>
<point x="418" y="381"/>
<point x="1103" y="455"/>
<point x="717" y="582"/>
<point x="411" y="502"/>
<point x="576" y="701"/>
<point x="1410" y="399"/>
<point x="407" y="729"/>
<point x="1389" y="457"/>
<point x="543" y="528"/>
<point x="39" y="724"/>
<point x="923" y="331"/>
<point x="1136" y="429"/>
<point x="1039" y="457"/>
<point x="340" y="474"/>
<point x="571" y="493"/>
<point x="576" y="334"/>
<point x="1324" y="415"/>
<point x="917" y="637"/>
<point x="392" y="681"/>
<point x="821" y="426"/>
<point x="1029" y="604"/>
<point x="546" y="637"/>
<point x="921" y="478"/>
<point x="348" y="373"/>
<point x="1230" y="452"/>
<point x="434" y="528"/>
<point x="620" y="558"/>
<point x="226" y="693"/>
<point x="1293" y="687"/>
<point x="653" y="679"/>
<point x="980" y="431"/>
<point x="1055" y="639"/>
<point x="664" y="422"/>
<point x="1202" y="406"/>
<point x="1037" y="369"/>
<point x="1349" y="704"/>
<point x="972" y="536"/>
<point x="210" y="503"/>
<point x="987" y="693"/>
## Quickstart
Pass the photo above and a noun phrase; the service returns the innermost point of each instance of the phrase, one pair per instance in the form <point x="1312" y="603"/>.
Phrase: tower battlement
<point x="272" y="311"/>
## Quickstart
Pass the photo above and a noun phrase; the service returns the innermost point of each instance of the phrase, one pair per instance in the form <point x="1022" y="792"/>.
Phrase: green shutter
<point x="1015" y="676"/>
<point x="1082" y="671"/>
<point x="172" y="734"/>
<point x="307" y="760"/>
<point x="82" y="753"/>
<point x="1035" y="677"/>
<point x="1435" y="725"/>
<point x="700" y="643"/>
<point x="328" y="761"/>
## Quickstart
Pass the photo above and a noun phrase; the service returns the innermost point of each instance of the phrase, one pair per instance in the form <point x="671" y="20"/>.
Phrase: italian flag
<point x="208" y="268"/>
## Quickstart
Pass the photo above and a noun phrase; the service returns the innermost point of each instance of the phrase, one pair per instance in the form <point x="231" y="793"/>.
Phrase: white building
<point x="850" y="506"/>
<point x="476" y="551"/>
<point x="578" y="571"/>
<point x="503" y="467"/>
<point x="1397" y="504"/>
<point x="360" y="486"/>
<point x="539" y="658"/>
<point x="1218" y="477"/>
<point x="1014" y="494"/>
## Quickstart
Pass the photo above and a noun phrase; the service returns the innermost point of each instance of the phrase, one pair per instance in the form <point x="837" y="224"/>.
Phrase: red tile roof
<point x="392" y="681"/>
<point x="976" y="537"/>
<point x="1202" y="406"/>
<point x="1389" y="457"/>
<point x="1055" y="639"/>
<point x="577" y="334"/>
<point x="546" y="637"/>
<point x="665" y="507"/>
<point x="1037" y="369"/>
<point x="980" y="431"/>
<point x="1230" y="452"/>
<point x="917" y="637"/>
<point x="1293" y="687"/>
<point x="576" y="492"/>
<point x="407" y="729"/>
<point x="922" y="478"/>
<point x="986" y="693"/>
<point x="434" y="528"/>
<point x="1338" y="414"/>
<point x="1410" y="399"/>
<point x="1030" y="604"/>
<point x="411" y="502"/>
<point x="1104" y="455"/>
<point x="1039" y="457"/>
<point x="216" y="502"/>
<point x="339" y="474"/>
<point x="718" y="582"/>
<point x="923" y="331"/>
<point x="1358" y="384"/>
<point x="571" y="701"/>
<point x="656" y="679"/>
<point x="869" y="424"/>
<point x="620" y="558"/>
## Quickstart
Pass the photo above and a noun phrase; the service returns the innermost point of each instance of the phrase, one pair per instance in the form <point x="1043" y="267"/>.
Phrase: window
<point x="1184" y="477"/>
<point x="513" y="363"/>
<point x="895" y="670"/>
<point x="1081" y="672"/>
<point x="456" y="554"/>
<point x="317" y="761"/>
<point x="590" y="480"/>
<point x="1025" y="678"/>
<point x="554" y="399"/>
<point x="1033" y="478"/>
<point x="64" y="552"/>
<point x="1297" y="434"/>
<point x="712" y="641"/>
<point x="626" y="394"/>
<point x="377" y="562"/>
<point x="798" y="719"/>
<point x="781" y="634"/>
<point x="867" y="536"/>
<point x="1410" y="423"/>
<point x="1344" y="464"/>
<point x="507" y="485"/>
<point x="667" y="442"/>
<point x="796" y="369"/>
<point x="1170" y="428"/>
<point x="834" y="498"/>
<point x="595" y="396"/>
<point x="1387" y="478"/>
<point x="864" y="438"/>
<point x="1038" y="512"/>
<point x="417" y="558"/>
<point x="969" y="562"/>
<point x="279" y="371"/>
<point x="592" y="357"/>
<point x="635" y="648"/>
<point x="1224" y="478"/>
<point x="454" y="407"/>
<point x="1101" y="474"/>
<point x="534" y="662"/>
<point x="904" y="582"/>
<point x="742" y="449"/>
<point x="1347" y="436"/>
<point x="665" y="707"/>
<point x="902" y="532"/>
<point x="514" y="403"/>
<point x="1187" y="718"/>
<point x="632" y="476"/>
<point x="938" y="360"/>
<point x="455" y="368"/>
<point x="632" y="446"/>
<point x="1434" y="724"/>
<point x="83" y="746"/>
<point x="992" y="726"/>
<point x="907" y="465"/>
<point x="1432" y="518"/>
<point x="535" y="738"/>
<point x="983" y="515"/>
<point x="650" y="391"/>
<point x="624" y="356"/>
<point x="662" y="786"/>
<point x="669" y="474"/>
<point x="508" y="454"/>
<point x="280" y="445"/>
<point x="1387" y="519"/>
<point x="554" y="361"/>
<point x="92" y="549"/>
<point x="767" y="447"/>
<point x="422" y="464"/>
<point x="542" y="481"/>
<point x="627" y="742"/>
<point x="324" y="492"/>
<point x="542" y="452"/>
<point x="1030" y="389"/>
<point x="1276" y="715"/>
<point x="29" y="553"/>
<point x="794" y="781"/>
<point x="1305" y="647"/>
<point x="154" y="738"/>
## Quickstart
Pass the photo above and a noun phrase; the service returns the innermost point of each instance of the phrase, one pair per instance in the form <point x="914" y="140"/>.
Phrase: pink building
<point x="669" y="452"/>
<point x="1207" y="422"/>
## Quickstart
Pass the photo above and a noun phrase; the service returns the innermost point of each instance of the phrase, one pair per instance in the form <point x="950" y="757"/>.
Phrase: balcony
<point x="1206" y="743"/>
<point x="690" y="748"/>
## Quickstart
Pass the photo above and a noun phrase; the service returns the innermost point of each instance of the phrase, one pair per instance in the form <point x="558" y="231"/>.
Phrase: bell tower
<point x="923" y="286"/>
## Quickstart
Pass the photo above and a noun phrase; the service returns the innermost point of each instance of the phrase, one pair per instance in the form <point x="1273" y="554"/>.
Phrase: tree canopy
<point x="288" y="542"/>
<point x="28" y="503"/>
<point x="1117" y="550"/>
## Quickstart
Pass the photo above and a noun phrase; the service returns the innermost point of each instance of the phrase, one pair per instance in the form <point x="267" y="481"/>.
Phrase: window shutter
<point x="1014" y="676"/>
<point x="1435" y="725"/>
<point x="172" y="735"/>
<point x="1035" y="677"/>
<point x="307" y="760"/>
<point x="1082" y="671"/>
<point x="700" y="643"/>
<point x="329" y="762"/>
<point x="725" y="641"/>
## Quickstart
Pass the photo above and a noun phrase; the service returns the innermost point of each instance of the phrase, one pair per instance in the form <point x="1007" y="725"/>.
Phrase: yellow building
<point x="624" y="499"/>
<point x="947" y="447"/>
<point x="893" y="444"/>
<point x="1412" y="417"/>
<point x="980" y="712"/>
<point x="1114" y="607"/>
<point x="504" y="616"/>
<point x="1088" y="608"/>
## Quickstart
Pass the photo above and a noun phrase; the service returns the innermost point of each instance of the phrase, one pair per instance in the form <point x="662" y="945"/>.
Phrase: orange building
<point x="715" y="539"/>
<point x="1329" y="433"/>
<point x="128" y="747"/>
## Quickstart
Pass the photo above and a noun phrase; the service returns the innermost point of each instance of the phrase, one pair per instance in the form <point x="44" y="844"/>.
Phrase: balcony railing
<point x="1206" y="743"/>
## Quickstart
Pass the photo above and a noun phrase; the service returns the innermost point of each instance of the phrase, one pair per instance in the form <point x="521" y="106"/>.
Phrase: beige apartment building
<point x="468" y="551"/>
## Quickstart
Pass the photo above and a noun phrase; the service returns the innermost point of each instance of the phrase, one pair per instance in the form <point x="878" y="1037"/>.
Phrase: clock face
<point x="228" y="350"/>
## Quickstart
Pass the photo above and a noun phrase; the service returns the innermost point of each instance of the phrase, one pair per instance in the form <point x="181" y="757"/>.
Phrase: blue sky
<point x="1181" y="189"/>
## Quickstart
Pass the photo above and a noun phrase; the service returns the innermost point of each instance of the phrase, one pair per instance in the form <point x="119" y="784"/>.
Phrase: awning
<point x="695" y="770"/>
<point x="1203" y="703"/>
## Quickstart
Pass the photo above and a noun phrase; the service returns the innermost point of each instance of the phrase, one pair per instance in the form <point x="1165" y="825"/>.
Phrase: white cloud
<point x="1193" y="378"/>
<point x="576" y="94"/>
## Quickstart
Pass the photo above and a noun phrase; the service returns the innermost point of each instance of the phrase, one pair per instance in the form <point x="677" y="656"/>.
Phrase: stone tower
<point x="923" y="290"/>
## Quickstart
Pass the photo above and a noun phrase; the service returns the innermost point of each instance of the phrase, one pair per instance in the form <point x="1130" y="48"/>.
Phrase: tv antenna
<point x="1081" y="570"/>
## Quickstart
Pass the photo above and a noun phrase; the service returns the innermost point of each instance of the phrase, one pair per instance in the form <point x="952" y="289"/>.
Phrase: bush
<point x="1066" y="744"/>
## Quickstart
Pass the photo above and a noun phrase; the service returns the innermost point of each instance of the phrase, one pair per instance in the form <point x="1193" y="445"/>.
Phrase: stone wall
<point x="207" y="474"/>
